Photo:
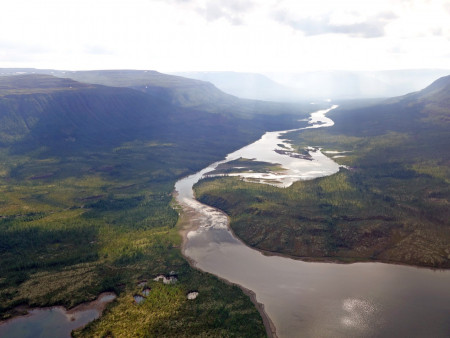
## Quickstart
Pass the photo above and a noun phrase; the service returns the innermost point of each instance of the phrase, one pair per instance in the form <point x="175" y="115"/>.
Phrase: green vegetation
<point x="103" y="223"/>
<point x="86" y="180"/>
<point x="392" y="204"/>
<point x="219" y="310"/>
<point x="95" y="226"/>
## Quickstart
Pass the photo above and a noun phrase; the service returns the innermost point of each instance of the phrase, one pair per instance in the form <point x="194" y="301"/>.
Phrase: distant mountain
<point x="25" y="84"/>
<point x="176" y="90"/>
<point x="64" y="115"/>
<point x="87" y="173"/>
<point x="293" y="86"/>
<point x="247" y="85"/>
<point x="390" y="203"/>
<point x="427" y="108"/>
<point x="183" y="92"/>
<point x="358" y="84"/>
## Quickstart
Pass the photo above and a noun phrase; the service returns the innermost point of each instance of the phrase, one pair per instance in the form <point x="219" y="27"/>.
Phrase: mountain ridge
<point x="389" y="204"/>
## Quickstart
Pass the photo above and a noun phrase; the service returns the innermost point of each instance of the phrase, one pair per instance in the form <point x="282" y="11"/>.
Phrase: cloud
<point x="231" y="10"/>
<point x="23" y="47"/>
<point x="437" y="31"/>
<point x="97" y="50"/>
<point x="372" y="27"/>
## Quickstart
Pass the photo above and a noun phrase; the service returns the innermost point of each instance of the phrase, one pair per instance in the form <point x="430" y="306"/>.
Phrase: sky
<point x="225" y="35"/>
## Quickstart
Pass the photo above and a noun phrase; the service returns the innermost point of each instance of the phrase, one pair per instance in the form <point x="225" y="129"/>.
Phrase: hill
<point x="86" y="179"/>
<point x="358" y="84"/>
<point x="55" y="112"/>
<point x="391" y="205"/>
<point x="176" y="90"/>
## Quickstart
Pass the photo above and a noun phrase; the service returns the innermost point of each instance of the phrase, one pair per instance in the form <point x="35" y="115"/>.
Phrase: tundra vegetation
<point x="99" y="225"/>
<point x="391" y="204"/>
<point x="86" y="180"/>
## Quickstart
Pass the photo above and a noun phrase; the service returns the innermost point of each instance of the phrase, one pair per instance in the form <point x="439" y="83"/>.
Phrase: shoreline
<point x="340" y="260"/>
<point x="98" y="304"/>
<point x="330" y="260"/>
<point x="185" y="225"/>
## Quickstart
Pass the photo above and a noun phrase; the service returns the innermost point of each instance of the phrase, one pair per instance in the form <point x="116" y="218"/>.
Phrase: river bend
<point x="305" y="299"/>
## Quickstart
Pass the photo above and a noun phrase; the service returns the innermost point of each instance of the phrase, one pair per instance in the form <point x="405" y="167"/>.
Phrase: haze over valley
<point x="225" y="168"/>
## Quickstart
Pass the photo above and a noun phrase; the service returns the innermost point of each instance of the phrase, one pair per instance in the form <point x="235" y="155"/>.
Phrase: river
<point x="305" y="299"/>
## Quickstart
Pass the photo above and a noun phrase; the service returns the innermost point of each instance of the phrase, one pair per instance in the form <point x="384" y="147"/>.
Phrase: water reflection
<point x="270" y="148"/>
<point x="317" y="299"/>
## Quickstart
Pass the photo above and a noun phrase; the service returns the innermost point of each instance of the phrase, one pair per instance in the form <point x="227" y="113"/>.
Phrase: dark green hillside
<point x="415" y="112"/>
<point x="184" y="92"/>
<point x="176" y="90"/>
<point x="74" y="115"/>
<point x="392" y="205"/>
<point x="62" y="115"/>
<point x="86" y="177"/>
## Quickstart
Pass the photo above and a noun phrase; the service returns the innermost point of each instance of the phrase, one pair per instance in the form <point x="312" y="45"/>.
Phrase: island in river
<point x="390" y="202"/>
<point x="306" y="298"/>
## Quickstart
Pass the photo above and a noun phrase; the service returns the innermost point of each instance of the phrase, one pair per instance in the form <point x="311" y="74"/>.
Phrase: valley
<point x="87" y="173"/>
<point x="339" y="300"/>
<point x="391" y="205"/>
<point x="224" y="168"/>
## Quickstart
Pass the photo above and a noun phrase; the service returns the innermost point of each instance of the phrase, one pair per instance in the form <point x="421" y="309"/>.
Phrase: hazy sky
<point x="238" y="35"/>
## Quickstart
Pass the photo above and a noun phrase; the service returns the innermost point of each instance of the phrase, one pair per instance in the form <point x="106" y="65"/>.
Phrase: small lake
<point x="56" y="321"/>
<point x="305" y="299"/>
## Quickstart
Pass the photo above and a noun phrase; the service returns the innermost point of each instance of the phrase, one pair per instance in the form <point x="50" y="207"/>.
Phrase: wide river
<point x="305" y="299"/>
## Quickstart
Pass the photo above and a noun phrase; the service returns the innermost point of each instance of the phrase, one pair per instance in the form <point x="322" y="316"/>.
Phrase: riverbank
<point x="187" y="223"/>
<point x="307" y="298"/>
<point x="62" y="321"/>
<point x="316" y="299"/>
<point x="334" y="260"/>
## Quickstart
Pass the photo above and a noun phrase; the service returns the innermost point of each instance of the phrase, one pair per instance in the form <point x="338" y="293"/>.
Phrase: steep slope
<point x="428" y="108"/>
<point x="60" y="112"/>
<point x="184" y="92"/>
<point x="86" y="180"/>
<point x="391" y="205"/>
<point x="41" y="110"/>
<point x="176" y="90"/>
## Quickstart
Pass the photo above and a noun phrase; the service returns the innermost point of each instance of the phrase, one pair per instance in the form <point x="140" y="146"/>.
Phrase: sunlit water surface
<point x="316" y="299"/>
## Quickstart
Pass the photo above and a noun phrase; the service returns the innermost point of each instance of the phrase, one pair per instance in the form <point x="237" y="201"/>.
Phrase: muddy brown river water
<point x="302" y="299"/>
<point x="305" y="299"/>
